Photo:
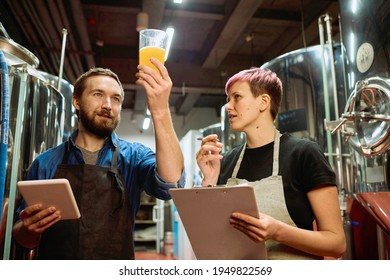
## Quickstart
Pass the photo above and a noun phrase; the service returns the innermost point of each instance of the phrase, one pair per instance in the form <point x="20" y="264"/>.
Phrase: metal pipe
<point x="64" y="33"/>
<point x="48" y="31"/>
<point x="343" y="55"/>
<point x="328" y="20"/>
<point x="326" y="91"/>
<point x="25" y="25"/>
<point x="4" y="127"/>
<point x="59" y="22"/>
<point x="31" y="10"/>
<point x="15" y="160"/>
<point x="83" y="32"/>
<point x="39" y="24"/>
<point x="4" y="32"/>
<point x="75" y="58"/>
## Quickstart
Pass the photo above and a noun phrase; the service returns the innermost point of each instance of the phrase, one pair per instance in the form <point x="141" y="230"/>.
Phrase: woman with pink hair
<point x="295" y="186"/>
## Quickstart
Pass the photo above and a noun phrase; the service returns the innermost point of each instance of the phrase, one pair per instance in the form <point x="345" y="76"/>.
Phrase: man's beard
<point x="102" y="129"/>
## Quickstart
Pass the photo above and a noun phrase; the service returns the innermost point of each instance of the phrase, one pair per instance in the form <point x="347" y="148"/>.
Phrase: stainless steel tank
<point x="306" y="102"/>
<point x="365" y="28"/>
<point x="366" y="123"/>
<point x="66" y="89"/>
<point x="36" y="113"/>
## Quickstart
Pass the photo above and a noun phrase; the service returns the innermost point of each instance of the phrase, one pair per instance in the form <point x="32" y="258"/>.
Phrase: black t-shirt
<point x="302" y="165"/>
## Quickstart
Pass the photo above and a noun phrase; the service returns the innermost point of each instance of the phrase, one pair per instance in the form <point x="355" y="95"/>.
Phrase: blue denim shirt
<point x="136" y="162"/>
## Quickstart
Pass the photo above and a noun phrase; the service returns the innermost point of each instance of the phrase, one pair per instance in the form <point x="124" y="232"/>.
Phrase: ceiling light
<point x="146" y="123"/>
<point x="100" y="43"/>
<point x="169" y="31"/>
<point x="177" y="1"/>
<point x="249" y="37"/>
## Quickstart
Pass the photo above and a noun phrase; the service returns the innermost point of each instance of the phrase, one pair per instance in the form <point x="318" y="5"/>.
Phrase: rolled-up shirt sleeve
<point x="178" y="184"/>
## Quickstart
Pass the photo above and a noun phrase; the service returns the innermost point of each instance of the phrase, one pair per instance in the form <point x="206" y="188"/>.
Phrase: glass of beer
<point x="152" y="43"/>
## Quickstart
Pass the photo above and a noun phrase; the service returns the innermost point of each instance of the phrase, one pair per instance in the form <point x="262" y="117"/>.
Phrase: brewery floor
<point x="140" y="255"/>
<point x="151" y="256"/>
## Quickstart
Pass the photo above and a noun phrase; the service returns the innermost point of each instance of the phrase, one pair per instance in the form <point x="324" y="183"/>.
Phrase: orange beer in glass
<point x="152" y="43"/>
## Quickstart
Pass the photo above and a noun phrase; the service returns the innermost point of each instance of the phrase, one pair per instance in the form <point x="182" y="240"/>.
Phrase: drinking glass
<point x="152" y="43"/>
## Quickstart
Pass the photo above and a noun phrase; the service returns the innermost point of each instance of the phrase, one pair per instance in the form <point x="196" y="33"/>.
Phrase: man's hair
<point x="260" y="81"/>
<point x="79" y="86"/>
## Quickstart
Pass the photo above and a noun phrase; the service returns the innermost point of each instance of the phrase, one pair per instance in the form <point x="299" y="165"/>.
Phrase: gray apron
<point x="104" y="230"/>
<point x="270" y="200"/>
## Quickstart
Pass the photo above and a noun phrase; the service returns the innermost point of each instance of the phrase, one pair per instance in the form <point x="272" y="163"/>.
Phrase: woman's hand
<point x="209" y="159"/>
<point x="257" y="229"/>
<point x="327" y="240"/>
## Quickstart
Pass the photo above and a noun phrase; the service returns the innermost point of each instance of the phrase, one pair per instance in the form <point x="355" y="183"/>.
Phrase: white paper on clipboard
<point x="205" y="213"/>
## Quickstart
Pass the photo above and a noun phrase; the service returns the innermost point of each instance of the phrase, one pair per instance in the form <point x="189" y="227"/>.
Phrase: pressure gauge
<point x="364" y="57"/>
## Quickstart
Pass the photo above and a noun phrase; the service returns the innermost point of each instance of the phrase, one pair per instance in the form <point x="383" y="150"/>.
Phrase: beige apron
<point x="270" y="200"/>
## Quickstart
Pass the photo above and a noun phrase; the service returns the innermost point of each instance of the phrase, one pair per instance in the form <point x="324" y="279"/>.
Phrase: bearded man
<point x="107" y="174"/>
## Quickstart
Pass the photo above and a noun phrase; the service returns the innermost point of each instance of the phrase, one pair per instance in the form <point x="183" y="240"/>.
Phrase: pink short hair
<point x="260" y="81"/>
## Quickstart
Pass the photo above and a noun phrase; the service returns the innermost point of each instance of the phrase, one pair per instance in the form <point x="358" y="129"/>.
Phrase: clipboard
<point x="205" y="213"/>
<point x="51" y="192"/>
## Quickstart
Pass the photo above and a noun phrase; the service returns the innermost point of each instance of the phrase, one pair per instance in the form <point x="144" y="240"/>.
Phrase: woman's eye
<point x="235" y="97"/>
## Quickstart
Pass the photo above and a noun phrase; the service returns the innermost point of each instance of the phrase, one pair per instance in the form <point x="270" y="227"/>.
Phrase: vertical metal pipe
<point x="15" y="162"/>
<point x="82" y="30"/>
<point x="38" y="15"/>
<point x="73" y="57"/>
<point x="328" y="20"/>
<point x="326" y="91"/>
<point x="343" y="55"/>
<point x="4" y="128"/>
<point x="64" y="33"/>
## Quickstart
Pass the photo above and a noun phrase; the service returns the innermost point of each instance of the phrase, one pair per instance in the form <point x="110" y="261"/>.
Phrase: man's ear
<point x="75" y="103"/>
<point x="265" y="102"/>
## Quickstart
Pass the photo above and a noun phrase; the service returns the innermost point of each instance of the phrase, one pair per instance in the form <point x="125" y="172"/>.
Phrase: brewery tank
<point x="306" y="101"/>
<point x="66" y="89"/>
<point x="36" y="111"/>
<point x="365" y="28"/>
